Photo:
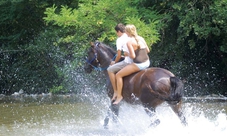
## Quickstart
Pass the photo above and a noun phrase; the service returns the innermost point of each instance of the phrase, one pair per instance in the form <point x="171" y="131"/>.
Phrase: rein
<point x="95" y="59"/>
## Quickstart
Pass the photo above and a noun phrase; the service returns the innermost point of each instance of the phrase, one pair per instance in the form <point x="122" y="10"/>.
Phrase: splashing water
<point x="133" y="121"/>
<point x="85" y="116"/>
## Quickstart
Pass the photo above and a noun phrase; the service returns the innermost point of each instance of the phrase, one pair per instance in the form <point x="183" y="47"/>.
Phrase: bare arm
<point x="118" y="57"/>
<point x="147" y="48"/>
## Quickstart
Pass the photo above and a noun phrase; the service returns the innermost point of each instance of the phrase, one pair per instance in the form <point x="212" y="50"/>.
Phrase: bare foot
<point x="114" y="97"/>
<point x="118" y="100"/>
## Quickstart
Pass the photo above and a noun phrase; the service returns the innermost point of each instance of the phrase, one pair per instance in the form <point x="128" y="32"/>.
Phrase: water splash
<point x="135" y="122"/>
<point x="85" y="116"/>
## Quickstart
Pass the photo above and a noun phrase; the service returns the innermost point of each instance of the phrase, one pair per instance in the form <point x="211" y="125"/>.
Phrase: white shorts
<point x="143" y="65"/>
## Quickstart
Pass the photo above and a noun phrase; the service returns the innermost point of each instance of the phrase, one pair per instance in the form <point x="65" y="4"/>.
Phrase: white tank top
<point x="122" y="45"/>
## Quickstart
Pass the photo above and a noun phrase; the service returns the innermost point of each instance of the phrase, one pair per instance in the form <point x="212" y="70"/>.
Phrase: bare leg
<point x="119" y="89"/>
<point x="113" y="82"/>
<point x="129" y="69"/>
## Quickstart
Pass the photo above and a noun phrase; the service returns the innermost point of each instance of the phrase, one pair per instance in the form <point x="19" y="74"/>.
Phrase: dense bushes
<point x="43" y="42"/>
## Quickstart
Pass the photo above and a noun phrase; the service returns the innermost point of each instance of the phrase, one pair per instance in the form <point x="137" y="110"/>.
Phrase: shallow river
<point x="71" y="115"/>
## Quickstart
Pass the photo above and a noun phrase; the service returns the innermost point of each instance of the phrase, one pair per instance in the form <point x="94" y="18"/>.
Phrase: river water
<point x="82" y="115"/>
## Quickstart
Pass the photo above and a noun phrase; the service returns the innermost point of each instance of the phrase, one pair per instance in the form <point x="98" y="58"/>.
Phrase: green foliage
<point x="201" y="20"/>
<point x="43" y="42"/>
<point x="56" y="89"/>
<point x="97" y="19"/>
<point x="219" y="20"/>
<point x="15" y="27"/>
<point x="31" y="69"/>
<point x="193" y="42"/>
<point x="148" y="31"/>
<point x="28" y="59"/>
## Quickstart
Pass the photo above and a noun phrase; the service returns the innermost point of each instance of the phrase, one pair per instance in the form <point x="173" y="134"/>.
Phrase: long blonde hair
<point x="131" y="29"/>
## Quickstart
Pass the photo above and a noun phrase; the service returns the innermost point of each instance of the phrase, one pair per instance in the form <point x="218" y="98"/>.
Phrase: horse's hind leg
<point x="150" y="103"/>
<point x="178" y="110"/>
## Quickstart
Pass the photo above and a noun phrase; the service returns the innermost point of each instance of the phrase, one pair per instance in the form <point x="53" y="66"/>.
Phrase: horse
<point x="150" y="87"/>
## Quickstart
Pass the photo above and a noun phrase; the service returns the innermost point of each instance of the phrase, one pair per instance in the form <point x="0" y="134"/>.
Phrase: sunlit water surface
<point x="83" y="116"/>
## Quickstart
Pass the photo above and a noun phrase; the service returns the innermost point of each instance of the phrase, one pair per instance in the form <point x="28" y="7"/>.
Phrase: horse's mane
<point x="111" y="50"/>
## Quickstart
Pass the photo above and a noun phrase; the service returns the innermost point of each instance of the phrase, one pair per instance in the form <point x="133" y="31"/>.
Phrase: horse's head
<point x="99" y="57"/>
<point x="91" y="60"/>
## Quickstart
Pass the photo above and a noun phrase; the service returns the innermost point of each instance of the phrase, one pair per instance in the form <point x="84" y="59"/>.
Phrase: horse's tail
<point x="176" y="90"/>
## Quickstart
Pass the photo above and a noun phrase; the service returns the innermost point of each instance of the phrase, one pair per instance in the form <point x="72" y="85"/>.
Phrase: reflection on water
<point x="83" y="116"/>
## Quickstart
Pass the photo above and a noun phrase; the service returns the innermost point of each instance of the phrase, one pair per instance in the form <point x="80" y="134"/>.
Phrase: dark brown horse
<point x="150" y="87"/>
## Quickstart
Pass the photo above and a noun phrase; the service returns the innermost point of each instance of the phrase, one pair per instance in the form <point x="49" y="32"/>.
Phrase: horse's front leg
<point x="113" y="111"/>
<point x="107" y="118"/>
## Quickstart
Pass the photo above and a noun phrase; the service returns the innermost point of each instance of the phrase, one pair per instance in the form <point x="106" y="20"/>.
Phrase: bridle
<point x="95" y="59"/>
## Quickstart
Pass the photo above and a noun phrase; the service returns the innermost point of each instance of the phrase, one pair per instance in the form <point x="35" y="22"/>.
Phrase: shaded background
<point x="43" y="42"/>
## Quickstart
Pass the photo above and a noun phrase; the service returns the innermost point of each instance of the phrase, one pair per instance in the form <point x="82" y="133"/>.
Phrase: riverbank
<point x="39" y="98"/>
<point x="71" y="97"/>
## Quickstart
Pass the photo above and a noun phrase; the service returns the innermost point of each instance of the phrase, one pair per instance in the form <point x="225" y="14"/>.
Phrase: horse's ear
<point x="92" y="44"/>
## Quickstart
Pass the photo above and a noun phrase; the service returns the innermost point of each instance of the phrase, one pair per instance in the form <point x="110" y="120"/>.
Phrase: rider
<point x="115" y="65"/>
<point x="138" y="51"/>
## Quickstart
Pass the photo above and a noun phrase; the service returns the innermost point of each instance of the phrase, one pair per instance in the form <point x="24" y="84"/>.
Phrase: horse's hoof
<point x="184" y="124"/>
<point x="106" y="121"/>
<point x="155" y="123"/>
<point x="105" y="127"/>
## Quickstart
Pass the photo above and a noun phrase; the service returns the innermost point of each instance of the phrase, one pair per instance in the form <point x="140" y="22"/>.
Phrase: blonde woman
<point x="138" y="51"/>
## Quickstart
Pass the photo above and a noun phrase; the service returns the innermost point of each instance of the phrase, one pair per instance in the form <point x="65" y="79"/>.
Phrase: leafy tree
<point x="188" y="36"/>
<point x="95" y="20"/>
<point x="193" y="43"/>
<point x="43" y="42"/>
<point x="25" y="53"/>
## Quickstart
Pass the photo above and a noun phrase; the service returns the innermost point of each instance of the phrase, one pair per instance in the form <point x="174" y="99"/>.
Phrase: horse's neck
<point x="105" y="59"/>
<point x="104" y="63"/>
